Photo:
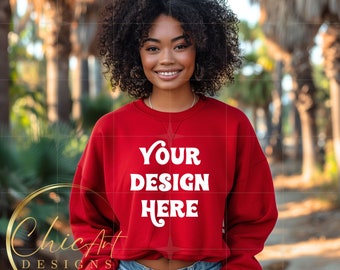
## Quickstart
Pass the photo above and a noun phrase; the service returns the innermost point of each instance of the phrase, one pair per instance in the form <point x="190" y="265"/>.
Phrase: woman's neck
<point x="168" y="101"/>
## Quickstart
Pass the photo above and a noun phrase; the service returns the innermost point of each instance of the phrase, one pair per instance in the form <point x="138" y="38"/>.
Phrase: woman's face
<point x="168" y="55"/>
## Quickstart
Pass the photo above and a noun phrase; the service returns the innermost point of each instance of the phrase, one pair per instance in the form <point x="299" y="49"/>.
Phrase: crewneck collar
<point x="175" y="116"/>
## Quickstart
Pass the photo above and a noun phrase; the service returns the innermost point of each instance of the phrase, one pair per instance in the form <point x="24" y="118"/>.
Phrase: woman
<point x="175" y="179"/>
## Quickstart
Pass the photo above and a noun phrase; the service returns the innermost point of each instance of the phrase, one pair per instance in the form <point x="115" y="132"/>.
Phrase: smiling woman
<point x="185" y="177"/>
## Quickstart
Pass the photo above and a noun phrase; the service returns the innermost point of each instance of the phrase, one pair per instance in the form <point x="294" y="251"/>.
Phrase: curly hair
<point x="210" y="23"/>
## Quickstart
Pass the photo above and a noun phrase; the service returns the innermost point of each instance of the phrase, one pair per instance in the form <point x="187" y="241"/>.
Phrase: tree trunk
<point x="86" y="15"/>
<point x="275" y="143"/>
<point x="335" y="105"/>
<point x="81" y="86"/>
<point x="58" y="48"/>
<point x="64" y="95"/>
<point x="269" y="124"/>
<point x="306" y="106"/>
<point x="297" y="135"/>
<point x="76" y="90"/>
<point x="98" y="76"/>
<point x="331" y="53"/>
<point x="5" y="17"/>
<point x="85" y="77"/>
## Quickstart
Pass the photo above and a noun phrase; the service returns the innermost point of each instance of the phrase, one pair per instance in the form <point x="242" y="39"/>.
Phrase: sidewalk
<point x="307" y="234"/>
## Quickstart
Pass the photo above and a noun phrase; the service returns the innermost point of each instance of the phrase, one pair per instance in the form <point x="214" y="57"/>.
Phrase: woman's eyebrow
<point x="179" y="37"/>
<point x="158" y="41"/>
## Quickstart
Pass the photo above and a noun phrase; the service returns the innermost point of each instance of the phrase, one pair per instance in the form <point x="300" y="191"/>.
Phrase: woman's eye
<point x="152" y="49"/>
<point x="181" y="47"/>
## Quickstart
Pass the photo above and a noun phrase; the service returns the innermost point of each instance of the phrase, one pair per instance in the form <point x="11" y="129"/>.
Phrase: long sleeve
<point x="92" y="219"/>
<point x="251" y="211"/>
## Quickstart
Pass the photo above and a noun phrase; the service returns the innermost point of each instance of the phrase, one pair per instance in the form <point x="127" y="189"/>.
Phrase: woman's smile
<point x="168" y="75"/>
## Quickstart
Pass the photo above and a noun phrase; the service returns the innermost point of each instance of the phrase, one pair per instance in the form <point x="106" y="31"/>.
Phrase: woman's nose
<point x="167" y="57"/>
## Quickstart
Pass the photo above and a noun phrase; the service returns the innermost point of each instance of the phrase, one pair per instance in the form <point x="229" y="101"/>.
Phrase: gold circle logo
<point x="11" y="231"/>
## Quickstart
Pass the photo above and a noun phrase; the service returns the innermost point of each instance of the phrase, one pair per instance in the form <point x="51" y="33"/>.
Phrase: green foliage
<point x="44" y="160"/>
<point x="8" y="155"/>
<point x="27" y="96"/>
<point x="27" y="77"/>
<point x="321" y="82"/>
<point x="252" y="90"/>
<point x="28" y="111"/>
<point x="29" y="163"/>
<point x="323" y="100"/>
<point x="94" y="108"/>
<point x="121" y="100"/>
<point x="330" y="172"/>
<point x="253" y="84"/>
<point x="250" y="33"/>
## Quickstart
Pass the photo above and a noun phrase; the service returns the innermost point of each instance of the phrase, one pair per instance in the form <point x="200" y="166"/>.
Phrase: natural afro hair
<point x="211" y="25"/>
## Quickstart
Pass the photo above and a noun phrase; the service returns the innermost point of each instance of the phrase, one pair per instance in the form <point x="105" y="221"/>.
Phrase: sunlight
<point x="327" y="248"/>
<point x="303" y="208"/>
<point x="22" y="7"/>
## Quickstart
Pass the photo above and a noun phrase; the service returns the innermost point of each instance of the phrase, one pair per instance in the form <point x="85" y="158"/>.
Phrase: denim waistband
<point x="133" y="265"/>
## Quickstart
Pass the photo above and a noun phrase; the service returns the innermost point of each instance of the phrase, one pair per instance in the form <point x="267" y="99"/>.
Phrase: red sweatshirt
<point x="193" y="185"/>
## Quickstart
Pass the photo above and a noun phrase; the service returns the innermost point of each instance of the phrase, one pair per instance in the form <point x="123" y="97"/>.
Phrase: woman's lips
<point x="168" y="74"/>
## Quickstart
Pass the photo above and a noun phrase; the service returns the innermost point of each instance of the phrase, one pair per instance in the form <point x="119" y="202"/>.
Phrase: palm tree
<point x="331" y="53"/>
<point x="83" y="39"/>
<point x="291" y="37"/>
<point x="59" y="16"/>
<point x="327" y="12"/>
<point x="5" y="17"/>
<point x="71" y="28"/>
<point x="66" y="27"/>
<point x="274" y="125"/>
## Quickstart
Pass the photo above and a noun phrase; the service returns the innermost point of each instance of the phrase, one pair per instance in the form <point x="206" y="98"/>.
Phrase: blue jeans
<point x="133" y="265"/>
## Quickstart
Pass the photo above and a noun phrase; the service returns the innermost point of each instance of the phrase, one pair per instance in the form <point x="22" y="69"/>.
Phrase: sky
<point x="244" y="10"/>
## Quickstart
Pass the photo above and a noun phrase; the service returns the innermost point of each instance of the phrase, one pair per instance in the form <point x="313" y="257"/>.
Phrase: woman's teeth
<point x="168" y="73"/>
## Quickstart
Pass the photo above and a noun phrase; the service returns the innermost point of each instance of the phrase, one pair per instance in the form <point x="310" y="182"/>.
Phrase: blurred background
<point x="52" y="91"/>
